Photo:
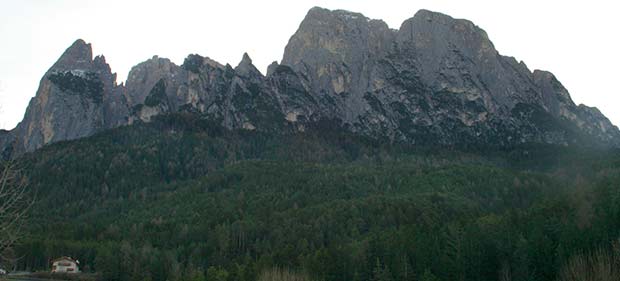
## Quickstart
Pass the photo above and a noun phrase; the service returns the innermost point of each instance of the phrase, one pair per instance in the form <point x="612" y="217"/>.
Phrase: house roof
<point x="63" y="258"/>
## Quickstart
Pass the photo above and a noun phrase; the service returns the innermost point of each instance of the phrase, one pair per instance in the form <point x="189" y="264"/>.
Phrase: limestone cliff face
<point x="435" y="80"/>
<point x="77" y="97"/>
<point x="237" y="98"/>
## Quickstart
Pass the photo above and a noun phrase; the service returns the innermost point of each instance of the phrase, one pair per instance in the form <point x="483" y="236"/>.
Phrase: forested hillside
<point x="183" y="199"/>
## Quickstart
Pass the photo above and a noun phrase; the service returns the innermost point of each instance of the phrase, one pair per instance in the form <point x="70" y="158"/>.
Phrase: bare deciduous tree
<point x="283" y="274"/>
<point x="505" y="273"/>
<point x="602" y="265"/>
<point x="14" y="204"/>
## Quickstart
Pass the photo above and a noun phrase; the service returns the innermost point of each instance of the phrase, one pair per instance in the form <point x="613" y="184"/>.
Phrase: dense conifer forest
<point x="183" y="199"/>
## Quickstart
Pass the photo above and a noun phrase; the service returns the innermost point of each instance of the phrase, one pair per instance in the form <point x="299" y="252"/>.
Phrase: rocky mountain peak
<point x="272" y="68"/>
<point x="246" y="59"/>
<point x="339" y="34"/>
<point x="101" y="62"/>
<point x="435" y="80"/>
<point x="104" y="70"/>
<point x="333" y="48"/>
<point x="322" y="14"/>
<point x="143" y="77"/>
<point x="246" y="68"/>
<point x="78" y="56"/>
<point x="437" y="33"/>
<point x="434" y="65"/>
<point x="74" y="99"/>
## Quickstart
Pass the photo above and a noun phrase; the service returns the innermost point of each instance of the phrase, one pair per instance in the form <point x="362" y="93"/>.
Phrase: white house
<point x="65" y="265"/>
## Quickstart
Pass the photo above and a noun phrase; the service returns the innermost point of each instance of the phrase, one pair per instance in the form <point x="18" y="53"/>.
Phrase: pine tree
<point x="429" y="276"/>
<point x="381" y="272"/>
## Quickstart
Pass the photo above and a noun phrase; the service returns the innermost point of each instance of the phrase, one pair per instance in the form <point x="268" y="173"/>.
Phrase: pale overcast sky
<point x="576" y="40"/>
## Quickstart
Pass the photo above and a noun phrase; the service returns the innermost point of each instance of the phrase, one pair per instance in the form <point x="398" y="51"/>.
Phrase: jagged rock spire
<point x="246" y="68"/>
<point x="78" y="56"/>
<point x="74" y="100"/>
<point x="272" y="67"/>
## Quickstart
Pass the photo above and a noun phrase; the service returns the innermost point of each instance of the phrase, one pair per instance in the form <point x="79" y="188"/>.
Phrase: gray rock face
<point x="435" y="80"/>
<point x="238" y="98"/>
<point x="272" y="67"/>
<point x="143" y="77"/>
<point x="77" y="97"/>
<point x="336" y="52"/>
<point x="7" y="139"/>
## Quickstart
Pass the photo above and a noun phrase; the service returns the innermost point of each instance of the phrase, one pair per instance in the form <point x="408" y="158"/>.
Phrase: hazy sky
<point x="576" y="40"/>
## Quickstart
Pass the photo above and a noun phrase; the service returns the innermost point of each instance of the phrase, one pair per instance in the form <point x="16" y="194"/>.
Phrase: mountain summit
<point x="435" y="80"/>
<point x="77" y="97"/>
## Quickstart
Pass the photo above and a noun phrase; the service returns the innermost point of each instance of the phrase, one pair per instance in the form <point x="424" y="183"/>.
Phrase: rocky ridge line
<point x="434" y="80"/>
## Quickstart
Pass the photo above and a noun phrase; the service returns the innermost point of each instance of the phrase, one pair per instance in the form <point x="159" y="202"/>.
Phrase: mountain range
<point x="435" y="80"/>
<point x="366" y="154"/>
